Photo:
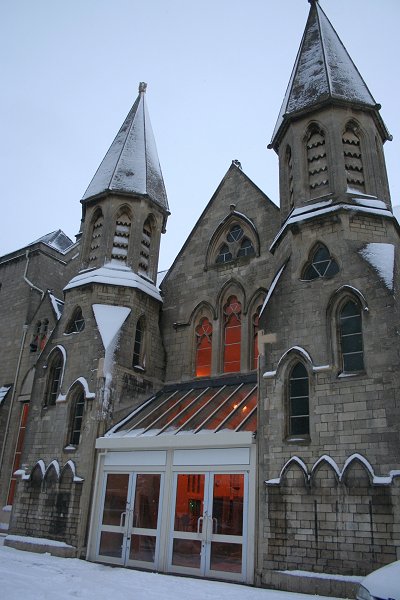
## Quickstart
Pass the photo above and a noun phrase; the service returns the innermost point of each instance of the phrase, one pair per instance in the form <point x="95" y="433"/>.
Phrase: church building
<point x="236" y="417"/>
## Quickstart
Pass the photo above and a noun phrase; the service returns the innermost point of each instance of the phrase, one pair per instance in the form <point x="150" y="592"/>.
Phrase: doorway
<point x="129" y="528"/>
<point x="208" y="525"/>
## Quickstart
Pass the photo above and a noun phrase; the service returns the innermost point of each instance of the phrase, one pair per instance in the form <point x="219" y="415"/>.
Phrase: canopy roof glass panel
<point x="195" y="407"/>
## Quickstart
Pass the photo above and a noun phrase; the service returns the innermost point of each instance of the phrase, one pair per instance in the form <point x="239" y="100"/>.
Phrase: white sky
<point x="216" y="71"/>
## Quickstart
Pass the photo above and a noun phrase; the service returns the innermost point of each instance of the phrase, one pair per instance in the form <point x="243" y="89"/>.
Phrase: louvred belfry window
<point x="121" y="239"/>
<point x="353" y="159"/>
<point x="232" y="335"/>
<point x="317" y="161"/>
<point x="203" y="348"/>
<point x="256" y="323"/>
<point x="144" y="259"/>
<point x="96" y="238"/>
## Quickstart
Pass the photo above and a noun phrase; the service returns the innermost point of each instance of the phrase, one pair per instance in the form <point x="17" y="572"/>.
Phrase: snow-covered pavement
<point x="29" y="576"/>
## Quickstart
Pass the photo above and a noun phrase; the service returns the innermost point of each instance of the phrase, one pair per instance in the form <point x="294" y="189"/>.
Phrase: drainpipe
<point x="24" y="332"/>
<point x="27" y="280"/>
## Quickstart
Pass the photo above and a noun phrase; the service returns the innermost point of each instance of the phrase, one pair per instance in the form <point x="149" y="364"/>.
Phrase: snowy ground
<point x="29" y="576"/>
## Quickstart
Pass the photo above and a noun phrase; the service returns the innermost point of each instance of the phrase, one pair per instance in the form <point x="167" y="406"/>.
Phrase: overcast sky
<point x="216" y="70"/>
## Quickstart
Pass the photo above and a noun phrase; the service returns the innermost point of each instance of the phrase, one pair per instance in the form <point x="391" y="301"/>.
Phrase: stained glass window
<point x="232" y="335"/>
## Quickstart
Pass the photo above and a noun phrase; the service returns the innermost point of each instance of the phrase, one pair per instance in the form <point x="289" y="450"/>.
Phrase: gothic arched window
<point x="203" y="348"/>
<point x="139" y="356"/>
<point x="298" y="401"/>
<point x="224" y="255"/>
<point x="121" y="238"/>
<point x="54" y="377"/>
<point x="321" y="265"/>
<point x="78" y="405"/>
<point x="350" y="333"/>
<point x="232" y="335"/>
<point x="76" y="323"/>
<point x="255" y="327"/>
<point x="246" y="248"/>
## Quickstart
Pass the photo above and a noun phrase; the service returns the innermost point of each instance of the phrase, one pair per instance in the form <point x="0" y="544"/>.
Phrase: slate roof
<point x="323" y="71"/>
<point x="131" y="164"/>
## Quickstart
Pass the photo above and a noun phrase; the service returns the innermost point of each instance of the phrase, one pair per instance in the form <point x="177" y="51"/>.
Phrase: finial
<point x="237" y="163"/>
<point x="142" y="86"/>
<point x="313" y="1"/>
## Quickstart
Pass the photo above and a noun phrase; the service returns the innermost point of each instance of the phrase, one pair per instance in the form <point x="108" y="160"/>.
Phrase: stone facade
<point x="328" y="468"/>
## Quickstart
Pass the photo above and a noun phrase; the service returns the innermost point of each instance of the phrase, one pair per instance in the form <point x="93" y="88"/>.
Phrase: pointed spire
<point x="131" y="165"/>
<point x="323" y="72"/>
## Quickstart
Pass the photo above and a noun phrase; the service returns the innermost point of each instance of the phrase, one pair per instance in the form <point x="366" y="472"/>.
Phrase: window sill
<point x="345" y="374"/>
<point x="298" y="439"/>
<point x="70" y="448"/>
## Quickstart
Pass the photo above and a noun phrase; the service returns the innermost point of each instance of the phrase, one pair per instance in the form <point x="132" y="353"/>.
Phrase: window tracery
<point x="203" y="348"/>
<point x="76" y="323"/>
<point x="232" y="335"/>
<point x="321" y="265"/>
<point x="235" y="245"/>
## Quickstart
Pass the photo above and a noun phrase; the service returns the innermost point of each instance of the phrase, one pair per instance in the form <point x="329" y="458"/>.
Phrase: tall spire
<point x="131" y="164"/>
<point x="323" y="73"/>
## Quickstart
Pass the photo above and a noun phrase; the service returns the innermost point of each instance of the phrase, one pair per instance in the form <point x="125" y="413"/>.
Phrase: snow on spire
<point x="131" y="164"/>
<point x="323" y="72"/>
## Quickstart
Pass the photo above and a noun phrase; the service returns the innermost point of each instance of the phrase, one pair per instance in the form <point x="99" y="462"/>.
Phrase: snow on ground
<point x="29" y="576"/>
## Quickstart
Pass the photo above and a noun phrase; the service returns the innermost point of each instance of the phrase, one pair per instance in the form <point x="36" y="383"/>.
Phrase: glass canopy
<point x="192" y="410"/>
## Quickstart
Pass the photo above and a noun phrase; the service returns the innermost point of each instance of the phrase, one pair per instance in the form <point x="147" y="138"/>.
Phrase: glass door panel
<point x="130" y="517"/>
<point x="111" y="542"/>
<point x="208" y="525"/>
<point x="144" y="527"/>
<point x="188" y="522"/>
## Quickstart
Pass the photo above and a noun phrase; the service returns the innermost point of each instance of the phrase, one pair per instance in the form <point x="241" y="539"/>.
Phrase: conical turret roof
<point x="323" y="72"/>
<point x="131" y="165"/>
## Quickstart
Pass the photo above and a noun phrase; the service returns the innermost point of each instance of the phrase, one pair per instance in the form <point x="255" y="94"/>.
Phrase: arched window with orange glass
<point x="255" y="327"/>
<point x="203" y="348"/>
<point x="232" y="335"/>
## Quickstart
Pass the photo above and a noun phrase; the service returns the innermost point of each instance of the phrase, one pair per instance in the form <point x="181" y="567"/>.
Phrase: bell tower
<point x="329" y="134"/>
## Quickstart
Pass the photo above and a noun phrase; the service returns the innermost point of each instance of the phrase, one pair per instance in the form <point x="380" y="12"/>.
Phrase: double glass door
<point x="207" y="530"/>
<point x="128" y="533"/>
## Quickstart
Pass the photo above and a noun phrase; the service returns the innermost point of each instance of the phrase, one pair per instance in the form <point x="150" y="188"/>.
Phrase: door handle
<point x="215" y="522"/>
<point x="122" y="519"/>
<point x="200" y="520"/>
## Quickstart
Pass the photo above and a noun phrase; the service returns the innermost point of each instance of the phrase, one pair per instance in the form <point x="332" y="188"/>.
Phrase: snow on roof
<point x="381" y="257"/>
<point x="272" y="286"/>
<point x="323" y="69"/>
<point x="114" y="275"/>
<point x="131" y="164"/>
<point x="57" y="240"/>
<point x="340" y="473"/>
<point x="315" y="210"/>
<point x="58" y="305"/>
<point x="109" y="320"/>
<point x="3" y="392"/>
<point x="160" y="277"/>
